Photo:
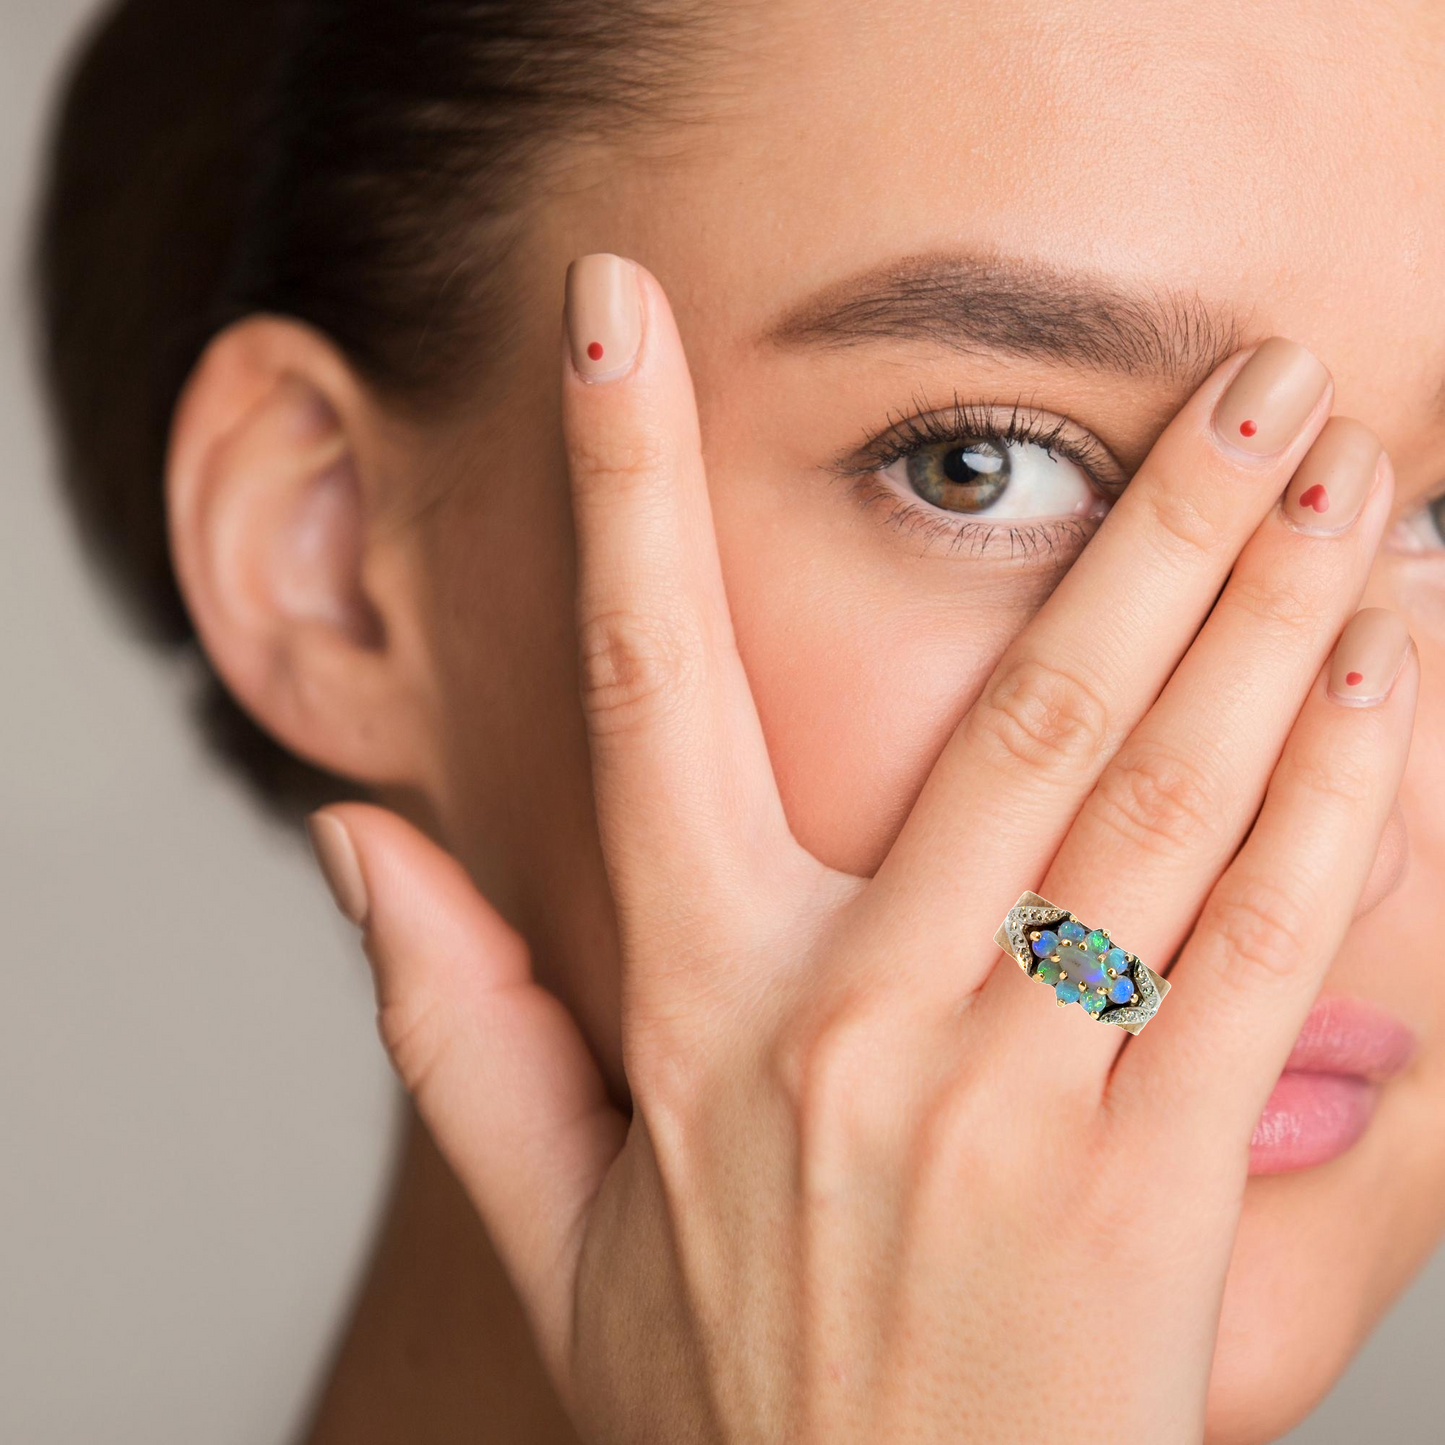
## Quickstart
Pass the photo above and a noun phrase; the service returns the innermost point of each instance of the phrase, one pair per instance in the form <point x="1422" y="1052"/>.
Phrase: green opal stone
<point x="1049" y="971"/>
<point x="1097" y="942"/>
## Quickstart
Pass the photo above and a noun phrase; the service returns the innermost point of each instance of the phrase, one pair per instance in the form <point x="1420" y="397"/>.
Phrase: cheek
<point x="858" y="685"/>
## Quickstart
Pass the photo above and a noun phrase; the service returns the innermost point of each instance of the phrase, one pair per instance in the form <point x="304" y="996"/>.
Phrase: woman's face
<point x="886" y="211"/>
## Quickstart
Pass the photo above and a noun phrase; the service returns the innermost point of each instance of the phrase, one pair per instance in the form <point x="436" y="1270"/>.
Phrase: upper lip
<point x="1344" y="1035"/>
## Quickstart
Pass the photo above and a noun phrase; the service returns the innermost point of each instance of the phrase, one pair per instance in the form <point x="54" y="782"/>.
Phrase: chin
<point x="1300" y="1296"/>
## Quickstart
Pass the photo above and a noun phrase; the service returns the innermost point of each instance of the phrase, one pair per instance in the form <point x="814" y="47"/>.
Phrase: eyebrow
<point x="1019" y="308"/>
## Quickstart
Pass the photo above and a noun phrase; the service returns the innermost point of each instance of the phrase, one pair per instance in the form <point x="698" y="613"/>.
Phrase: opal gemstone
<point x="1086" y="956"/>
<point x="1049" y="971"/>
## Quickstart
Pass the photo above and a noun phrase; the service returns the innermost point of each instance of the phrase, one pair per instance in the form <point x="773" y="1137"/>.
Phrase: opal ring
<point x="1082" y="965"/>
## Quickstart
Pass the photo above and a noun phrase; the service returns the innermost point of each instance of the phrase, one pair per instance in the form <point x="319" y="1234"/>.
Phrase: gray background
<point x="196" y="1121"/>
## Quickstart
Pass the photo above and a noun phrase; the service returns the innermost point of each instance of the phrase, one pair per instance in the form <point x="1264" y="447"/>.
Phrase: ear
<point x="273" y="497"/>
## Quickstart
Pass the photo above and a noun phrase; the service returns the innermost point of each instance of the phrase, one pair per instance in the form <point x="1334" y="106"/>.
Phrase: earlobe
<point x="268" y="517"/>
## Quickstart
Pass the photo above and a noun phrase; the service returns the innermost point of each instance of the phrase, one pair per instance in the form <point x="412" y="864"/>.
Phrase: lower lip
<point x="1310" y="1119"/>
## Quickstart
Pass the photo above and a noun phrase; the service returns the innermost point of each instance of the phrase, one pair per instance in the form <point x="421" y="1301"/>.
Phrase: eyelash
<point x="907" y="435"/>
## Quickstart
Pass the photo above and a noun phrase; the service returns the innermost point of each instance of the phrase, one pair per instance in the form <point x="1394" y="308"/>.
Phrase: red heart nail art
<point x="1315" y="497"/>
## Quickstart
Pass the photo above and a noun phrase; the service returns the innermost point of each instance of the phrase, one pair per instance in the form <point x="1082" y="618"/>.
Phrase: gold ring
<point x="1082" y="965"/>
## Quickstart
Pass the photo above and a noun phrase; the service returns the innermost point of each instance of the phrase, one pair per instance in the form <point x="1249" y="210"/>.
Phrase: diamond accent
<point x="1024" y="917"/>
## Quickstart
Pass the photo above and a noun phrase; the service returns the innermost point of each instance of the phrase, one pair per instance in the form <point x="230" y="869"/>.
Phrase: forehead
<point x="1286" y="160"/>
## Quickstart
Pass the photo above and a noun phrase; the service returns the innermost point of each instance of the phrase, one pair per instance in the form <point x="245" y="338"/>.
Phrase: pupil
<point x="975" y="462"/>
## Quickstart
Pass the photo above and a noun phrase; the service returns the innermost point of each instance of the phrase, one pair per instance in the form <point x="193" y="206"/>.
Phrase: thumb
<point x="499" y="1070"/>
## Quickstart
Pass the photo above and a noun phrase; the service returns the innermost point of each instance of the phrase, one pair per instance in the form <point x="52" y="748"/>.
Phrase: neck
<point x="437" y="1351"/>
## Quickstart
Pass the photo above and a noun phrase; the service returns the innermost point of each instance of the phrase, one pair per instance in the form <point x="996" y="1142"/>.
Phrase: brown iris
<point x="966" y="476"/>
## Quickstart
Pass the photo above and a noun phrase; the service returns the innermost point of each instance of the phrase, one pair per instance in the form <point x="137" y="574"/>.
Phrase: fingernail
<point x="1368" y="657"/>
<point x="1264" y="407"/>
<point x="1329" y="489"/>
<point x="336" y="854"/>
<point x="604" y="316"/>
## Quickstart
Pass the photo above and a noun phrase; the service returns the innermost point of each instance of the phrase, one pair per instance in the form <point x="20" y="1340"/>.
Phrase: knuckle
<point x="1282" y="602"/>
<point x="632" y="666"/>
<point x="1187" y="527"/>
<point x="957" y="1131"/>
<point x="1324" y="772"/>
<point x="826" y="1069"/>
<point x="669" y="1085"/>
<point x="1041" y="716"/>
<point x="1150" y="794"/>
<point x="1256" y="926"/>
<point x="1042" y="1153"/>
<point x="660" y="1054"/>
<point x="617" y="464"/>
<point x="415" y="1038"/>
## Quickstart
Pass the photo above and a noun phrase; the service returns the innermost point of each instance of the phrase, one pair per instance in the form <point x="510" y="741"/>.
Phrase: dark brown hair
<point x="363" y="165"/>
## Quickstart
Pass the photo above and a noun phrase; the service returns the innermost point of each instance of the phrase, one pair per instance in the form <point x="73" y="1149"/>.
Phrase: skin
<point x="395" y="601"/>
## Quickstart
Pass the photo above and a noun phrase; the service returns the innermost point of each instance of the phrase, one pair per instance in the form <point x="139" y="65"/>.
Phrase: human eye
<point x="1422" y="530"/>
<point x="1010" y="478"/>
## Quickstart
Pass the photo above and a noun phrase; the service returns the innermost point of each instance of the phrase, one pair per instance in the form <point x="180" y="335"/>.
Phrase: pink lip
<point x="1326" y="1096"/>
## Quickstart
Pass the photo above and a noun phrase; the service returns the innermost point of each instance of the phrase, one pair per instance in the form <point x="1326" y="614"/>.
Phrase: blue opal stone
<point x="1073" y="930"/>
<point x="1123" y="990"/>
<point x="1117" y="959"/>
<point x="1046" y="943"/>
<point x="1097" y="941"/>
<point x="1067" y="990"/>
<point x="1091" y="970"/>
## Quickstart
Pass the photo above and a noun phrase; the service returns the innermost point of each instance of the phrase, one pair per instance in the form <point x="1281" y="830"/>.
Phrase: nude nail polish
<point x="604" y="316"/>
<point x="1264" y="407"/>
<point x="1328" y="490"/>
<point x="1368" y="657"/>
<point x="336" y="855"/>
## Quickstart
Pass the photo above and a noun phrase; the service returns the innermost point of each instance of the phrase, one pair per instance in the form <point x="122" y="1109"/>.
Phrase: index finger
<point x="690" y="817"/>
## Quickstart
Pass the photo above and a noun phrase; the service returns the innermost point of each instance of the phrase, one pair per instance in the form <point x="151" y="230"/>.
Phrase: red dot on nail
<point x="1247" y="428"/>
<point x="595" y="351"/>
<point x="1354" y="679"/>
